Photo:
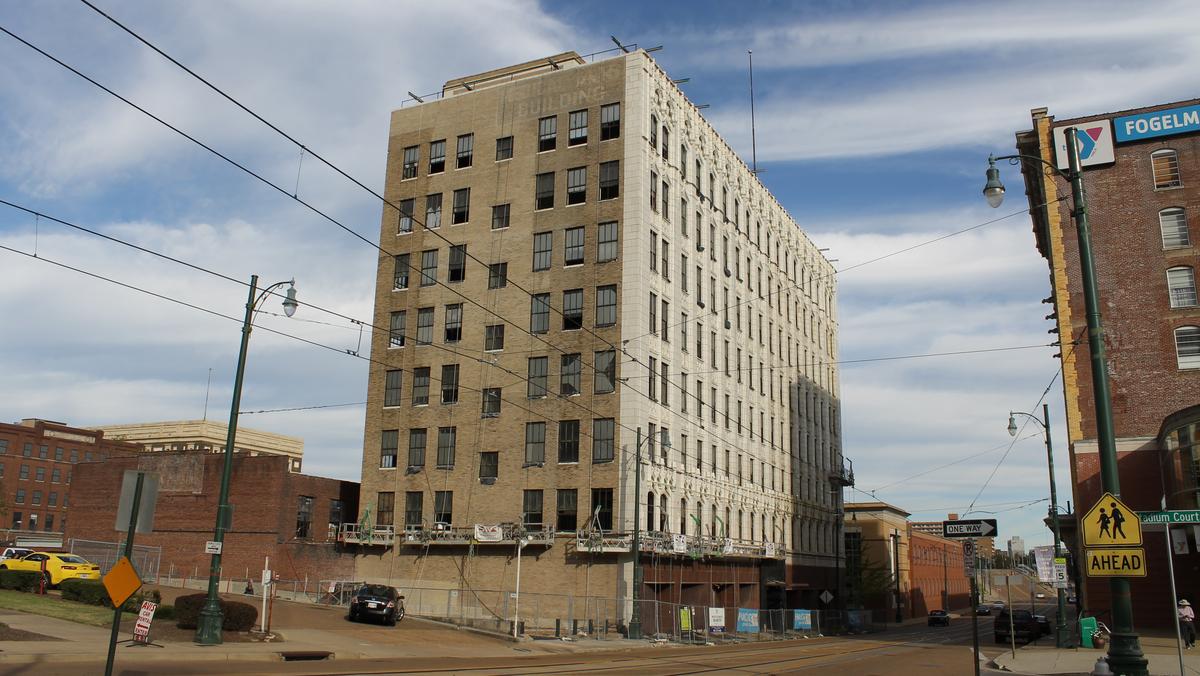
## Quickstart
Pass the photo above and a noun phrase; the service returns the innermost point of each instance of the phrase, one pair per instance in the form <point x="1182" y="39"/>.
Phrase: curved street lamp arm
<point x="270" y="291"/>
<point x="1016" y="159"/>
<point x="1030" y="415"/>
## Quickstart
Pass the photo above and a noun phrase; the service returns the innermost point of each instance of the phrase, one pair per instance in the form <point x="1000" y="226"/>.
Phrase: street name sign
<point x="969" y="528"/>
<point x="1171" y="516"/>
<point x="1110" y="523"/>
<point x="1116" y="563"/>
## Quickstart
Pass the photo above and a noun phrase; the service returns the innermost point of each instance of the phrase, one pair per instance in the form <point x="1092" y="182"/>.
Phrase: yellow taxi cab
<point x="59" y="566"/>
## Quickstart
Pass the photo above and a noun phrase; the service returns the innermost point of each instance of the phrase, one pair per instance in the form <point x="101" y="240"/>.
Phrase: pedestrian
<point x="1104" y="520"/>
<point x="249" y="590"/>
<point x="1117" y="520"/>
<point x="1187" y="619"/>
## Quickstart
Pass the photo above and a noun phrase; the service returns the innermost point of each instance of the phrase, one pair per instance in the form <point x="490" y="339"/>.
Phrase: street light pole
<point x="896" y="564"/>
<point x="1061" y="635"/>
<point x="1124" y="651"/>
<point x="521" y="542"/>
<point x="208" y="626"/>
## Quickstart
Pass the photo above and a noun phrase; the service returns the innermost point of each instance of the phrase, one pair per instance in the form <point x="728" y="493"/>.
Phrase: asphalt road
<point x="915" y="649"/>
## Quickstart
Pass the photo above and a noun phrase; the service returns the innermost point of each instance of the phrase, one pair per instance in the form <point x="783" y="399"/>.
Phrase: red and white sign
<point x="141" y="629"/>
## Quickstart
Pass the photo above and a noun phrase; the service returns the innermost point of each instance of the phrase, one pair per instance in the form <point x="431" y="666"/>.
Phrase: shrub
<point x="20" y="580"/>
<point x="237" y="616"/>
<point x="165" y="613"/>
<point x="91" y="592"/>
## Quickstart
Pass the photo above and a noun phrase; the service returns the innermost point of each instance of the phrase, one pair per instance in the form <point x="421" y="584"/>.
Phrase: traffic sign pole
<point x="116" y="625"/>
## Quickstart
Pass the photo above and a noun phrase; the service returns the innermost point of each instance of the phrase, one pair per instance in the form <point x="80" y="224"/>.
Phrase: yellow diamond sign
<point x="122" y="581"/>
<point x="1110" y="523"/>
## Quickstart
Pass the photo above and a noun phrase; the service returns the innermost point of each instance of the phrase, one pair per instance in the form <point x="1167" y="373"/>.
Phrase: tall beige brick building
<point x="579" y="269"/>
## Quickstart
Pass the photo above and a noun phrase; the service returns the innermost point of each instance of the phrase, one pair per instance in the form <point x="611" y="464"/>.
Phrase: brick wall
<point x="936" y="569"/>
<point x="264" y="496"/>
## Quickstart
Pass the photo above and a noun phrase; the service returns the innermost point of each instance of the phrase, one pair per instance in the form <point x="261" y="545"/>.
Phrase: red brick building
<point x="1141" y="172"/>
<point x="936" y="570"/>
<point x="290" y="517"/>
<point x="38" y="459"/>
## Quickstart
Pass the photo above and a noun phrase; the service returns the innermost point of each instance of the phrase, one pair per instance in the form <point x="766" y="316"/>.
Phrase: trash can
<point x="1087" y="627"/>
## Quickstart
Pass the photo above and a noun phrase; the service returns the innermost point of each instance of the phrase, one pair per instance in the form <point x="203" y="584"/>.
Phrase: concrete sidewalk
<point x="1160" y="652"/>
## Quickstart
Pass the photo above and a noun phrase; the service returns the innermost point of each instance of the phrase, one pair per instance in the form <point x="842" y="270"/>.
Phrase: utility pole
<point x="635" y="622"/>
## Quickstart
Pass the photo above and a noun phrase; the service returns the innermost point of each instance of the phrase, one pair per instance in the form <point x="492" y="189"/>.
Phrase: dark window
<point x="544" y="191"/>
<point x="418" y="438"/>
<point x="666" y="143"/>
<point x="420" y="391"/>
<point x="402" y="268"/>
<point x="654" y="131"/>
<point x="572" y="309"/>
<point x="466" y="151"/>
<point x="491" y="402"/>
<point x="406" y="216"/>
<point x="411" y="157"/>
<point x="547" y="133"/>
<point x="568" y="508"/>
<point x="577" y="185"/>
<point x="393" y="382"/>
<point x="493" y="337"/>
<point x="412" y="508"/>
<point x="454" y="319"/>
<point x="535" y="443"/>
<point x="504" y="147"/>
<point x="606" y="242"/>
<point x="578" y="133"/>
<point x="497" y="275"/>
<point x="399" y="322"/>
<point x="539" y="313"/>
<point x="304" y="509"/>
<point x="443" y="507"/>
<point x="603" y="430"/>
<point x="437" y="156"/>
<point x="531" y="509"/>
<point x="602" y="507"/>
<point x="450" y="383"/>
<point x="568" y="382"/>
<point x="500" y="216"/>
<point x="447" y="440"/>
<point x="610" y="121"/>
<point x="610" y="180"/>
<point x="385" y="508"/>
<point x="606" y="305"/>
<point x="20" y="499"/>
<point x="489" y="465"/>
<point x="55" y="475"/>
<point x="462" y="206"/>
<point x="429" y="264"/>
<point x="337" y="510"/>
<point x="389" y="447"/>
<point x="605" y="369"/>
<point x="568" y="441"/>
<point x="458" y="263"/>
<point x="543" y="250"/>
<point x="538" y="367"/>
<point x="424" y="326"/>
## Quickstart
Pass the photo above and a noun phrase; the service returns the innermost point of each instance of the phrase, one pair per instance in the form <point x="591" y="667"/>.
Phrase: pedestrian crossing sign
<point x="1110" y="523"/>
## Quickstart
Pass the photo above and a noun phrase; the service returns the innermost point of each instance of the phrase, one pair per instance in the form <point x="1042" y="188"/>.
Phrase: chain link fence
<point x="145" y="559"/>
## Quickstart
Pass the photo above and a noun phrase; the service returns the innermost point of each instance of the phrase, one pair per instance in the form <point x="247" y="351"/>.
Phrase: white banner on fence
<point x="727" y="547"/>
<point x="770" y="550"/>
<point x="485" y="533"/>
<point x="716" y="620"/>
<point x="679" y="543"/>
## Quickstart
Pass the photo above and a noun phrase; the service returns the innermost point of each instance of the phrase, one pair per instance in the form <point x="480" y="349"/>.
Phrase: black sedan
<point x="939" y="617"/>
<point x="379" y="602"/>
<point x="983" y="609"/>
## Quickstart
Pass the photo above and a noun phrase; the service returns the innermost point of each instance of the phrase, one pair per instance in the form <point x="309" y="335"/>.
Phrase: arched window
<point x="751" y="525"/>
<point x="663" y="524"/>
<point x="1165" y="164"/>
<point x="1173" y="223"/>
<point x="683" y="516"/>
<point x="649" y="511"/>
<point x="741" y="520"/>
<point x="653" y="131"/>
<point x="1181" y="286"/>
<point x="1187" y="347"/>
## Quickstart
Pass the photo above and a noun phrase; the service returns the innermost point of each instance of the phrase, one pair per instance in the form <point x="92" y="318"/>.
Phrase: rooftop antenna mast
<point x="753" y="140"/>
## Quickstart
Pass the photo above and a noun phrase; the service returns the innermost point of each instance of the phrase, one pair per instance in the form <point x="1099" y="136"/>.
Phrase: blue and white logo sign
<point x="802" y="620"/>
<point x="747" y="620"/>
<point x="1094" y="140"/>
<point x="1158" y="123"/>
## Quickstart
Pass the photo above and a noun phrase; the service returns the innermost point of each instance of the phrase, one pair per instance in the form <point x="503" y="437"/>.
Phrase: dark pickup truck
<point x="1024" y="625"/>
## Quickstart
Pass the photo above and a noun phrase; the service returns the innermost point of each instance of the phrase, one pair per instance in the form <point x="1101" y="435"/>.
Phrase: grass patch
<point x="53" y="606"/>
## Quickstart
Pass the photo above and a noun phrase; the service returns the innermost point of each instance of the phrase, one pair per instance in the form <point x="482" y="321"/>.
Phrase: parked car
<point x="997" y="605"/>
<point x="1040" y="595"/>
<point x="15" y="553"/>
<point x="59" y="566"/>
<point x="939" y="617"/>
<point x="1043" y="623"/>
<point x="378" y="601"/>
<point x="1024" y="625"/>
<point x="983" y="609"/>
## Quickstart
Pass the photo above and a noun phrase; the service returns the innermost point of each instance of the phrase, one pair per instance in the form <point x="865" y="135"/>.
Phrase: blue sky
<point x="874" y="121"/>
